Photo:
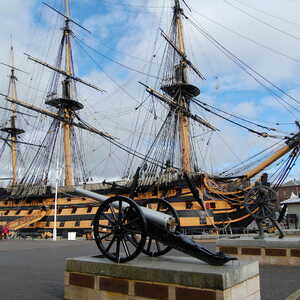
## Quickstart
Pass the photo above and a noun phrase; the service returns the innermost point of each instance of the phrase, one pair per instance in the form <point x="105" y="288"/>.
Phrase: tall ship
<point x="165" y="159"/>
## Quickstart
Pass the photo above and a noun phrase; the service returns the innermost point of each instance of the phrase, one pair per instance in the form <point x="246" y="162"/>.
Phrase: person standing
<point x="5" y="231"/>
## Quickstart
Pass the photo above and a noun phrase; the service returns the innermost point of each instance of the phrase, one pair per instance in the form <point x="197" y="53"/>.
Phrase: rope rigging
<point x="263" y="22"/>
<point x="237" y="168"/>
<point x="268" y="14"/>
<point x="113" y="60"/>
<point x="162" y="157"/>
<point x="251" y="72"/>
<point x="123" y="146"/>
<point x="171" y="60"/>
<point x="240" y="117"/>
<point x="207" y="107"/>
<point x="275" y="51"/>
<point x="286" y="168"/>
<point x="259" y="133"/>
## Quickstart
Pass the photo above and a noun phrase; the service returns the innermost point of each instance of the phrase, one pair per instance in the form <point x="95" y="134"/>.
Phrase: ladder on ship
<point x="25" y="221"/>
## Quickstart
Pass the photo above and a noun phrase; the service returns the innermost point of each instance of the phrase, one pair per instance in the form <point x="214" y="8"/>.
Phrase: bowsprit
<point x="123" y="230"/>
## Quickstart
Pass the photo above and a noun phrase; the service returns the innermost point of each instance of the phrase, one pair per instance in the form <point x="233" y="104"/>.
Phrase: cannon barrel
<point x="161" y="220"/>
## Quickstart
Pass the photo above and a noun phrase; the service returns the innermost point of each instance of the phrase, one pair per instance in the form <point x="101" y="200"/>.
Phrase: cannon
<point x="123" y="229"/>
<point x="261" y="202"/>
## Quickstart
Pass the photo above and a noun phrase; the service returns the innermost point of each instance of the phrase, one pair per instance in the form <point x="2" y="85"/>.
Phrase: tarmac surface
<point x="34" y="269"/>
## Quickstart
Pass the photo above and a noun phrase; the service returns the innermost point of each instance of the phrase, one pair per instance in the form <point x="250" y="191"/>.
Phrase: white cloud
<point x="33" y="30"/>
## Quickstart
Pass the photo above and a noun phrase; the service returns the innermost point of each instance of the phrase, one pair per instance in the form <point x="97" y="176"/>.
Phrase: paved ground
<point x="34" y="270"/>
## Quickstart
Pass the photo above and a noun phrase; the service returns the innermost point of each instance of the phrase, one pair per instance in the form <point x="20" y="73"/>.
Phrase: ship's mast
<point x="68" y="113"/>
<point x="13" y="131"/>
<point x="180" y="90"/>
<point x="62" y="96"/>
<point x="183" y="119"/>
<point x="66" y="104"/>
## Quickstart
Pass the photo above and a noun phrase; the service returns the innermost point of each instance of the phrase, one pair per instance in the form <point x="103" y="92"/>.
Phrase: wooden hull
<point x="76" y="214"/>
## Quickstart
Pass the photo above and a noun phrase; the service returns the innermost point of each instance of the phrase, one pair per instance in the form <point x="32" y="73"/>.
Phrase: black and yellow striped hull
<point x="76" y="214"/>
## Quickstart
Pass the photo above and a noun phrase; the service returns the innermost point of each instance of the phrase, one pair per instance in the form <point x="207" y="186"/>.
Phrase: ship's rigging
<point x="173" y="136"/>
<point x="64" y="100"/>
<point x="178" y="129"/>
<point x="170" y="141"/>
<point x="12" y="129"/>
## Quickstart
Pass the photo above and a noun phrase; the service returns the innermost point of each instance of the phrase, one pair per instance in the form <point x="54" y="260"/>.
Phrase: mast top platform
<point x="187" y="90"/>
<point x="63" y="103"/>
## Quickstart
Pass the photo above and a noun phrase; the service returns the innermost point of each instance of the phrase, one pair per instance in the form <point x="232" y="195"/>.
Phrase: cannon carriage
<point x="123" y="230"/>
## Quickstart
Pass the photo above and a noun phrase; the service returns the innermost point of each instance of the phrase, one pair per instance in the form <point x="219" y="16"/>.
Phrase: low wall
<point x="273" y="251"/>
<point x="165" y="278"/>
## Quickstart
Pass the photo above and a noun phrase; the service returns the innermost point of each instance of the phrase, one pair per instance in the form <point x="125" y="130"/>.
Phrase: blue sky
<point x="118" y="30"/>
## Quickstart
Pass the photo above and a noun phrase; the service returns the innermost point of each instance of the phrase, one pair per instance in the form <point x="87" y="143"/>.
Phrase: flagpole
<point x="56" y="192"/>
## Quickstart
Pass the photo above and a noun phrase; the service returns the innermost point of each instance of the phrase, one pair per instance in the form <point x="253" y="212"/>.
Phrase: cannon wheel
<point x="113" y="227"/>
<point x="153" y="247"/>
<point x="259" y="202"/>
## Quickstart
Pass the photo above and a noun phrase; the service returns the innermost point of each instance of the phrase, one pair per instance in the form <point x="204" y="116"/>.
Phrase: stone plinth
<point x="275" y="251"/>
<point x="165" y="278"/>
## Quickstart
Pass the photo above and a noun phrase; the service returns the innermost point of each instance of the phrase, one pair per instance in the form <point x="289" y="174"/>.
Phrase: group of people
<point x="4" y="232"/>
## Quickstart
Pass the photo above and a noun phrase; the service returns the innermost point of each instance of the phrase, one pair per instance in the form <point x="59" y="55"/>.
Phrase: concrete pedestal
<point x="275" y="251"/>
<point x="165" y="278"/>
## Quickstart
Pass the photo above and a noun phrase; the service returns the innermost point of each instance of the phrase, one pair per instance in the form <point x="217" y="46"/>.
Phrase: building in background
<point x="285" y="190"/>
<point x="289" y="194"/>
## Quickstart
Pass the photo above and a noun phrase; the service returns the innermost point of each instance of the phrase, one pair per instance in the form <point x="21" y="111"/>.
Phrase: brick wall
<point x="284" y="192"/>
